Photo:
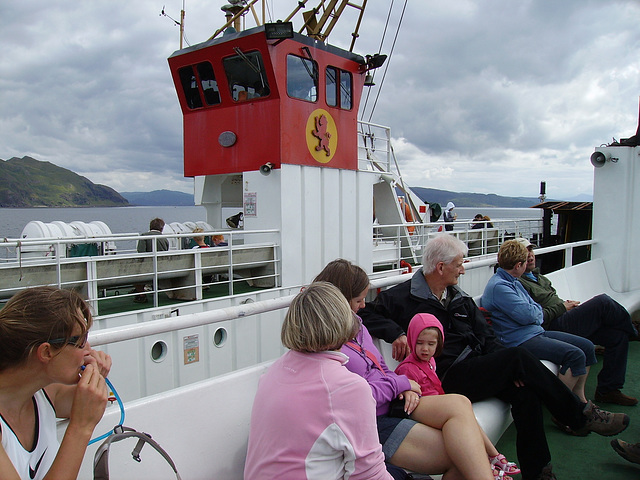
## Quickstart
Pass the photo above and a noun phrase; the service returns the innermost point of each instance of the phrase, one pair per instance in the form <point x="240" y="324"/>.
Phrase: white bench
<point x="586" y="280"/>
<point x="204" y="427"/>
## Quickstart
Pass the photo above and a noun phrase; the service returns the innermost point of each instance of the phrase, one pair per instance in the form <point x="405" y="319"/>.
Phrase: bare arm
<point x="89" y="402"/>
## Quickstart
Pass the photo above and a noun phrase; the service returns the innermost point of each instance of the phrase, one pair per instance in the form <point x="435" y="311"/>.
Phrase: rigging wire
<point x="384" y="75"/>
<point x="384" y="33"/>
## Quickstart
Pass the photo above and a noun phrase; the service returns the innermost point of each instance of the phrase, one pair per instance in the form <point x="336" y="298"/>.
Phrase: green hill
<point x="160" y="198"/>
<point x="27" y="182"/>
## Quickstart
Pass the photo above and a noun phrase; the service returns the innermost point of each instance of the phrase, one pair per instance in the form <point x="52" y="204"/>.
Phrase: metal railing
<point x="155" y="327"/>
<point x="181" y="273"/>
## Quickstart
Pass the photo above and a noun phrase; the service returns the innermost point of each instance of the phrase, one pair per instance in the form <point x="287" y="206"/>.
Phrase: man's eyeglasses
<point x="78" y="341"/>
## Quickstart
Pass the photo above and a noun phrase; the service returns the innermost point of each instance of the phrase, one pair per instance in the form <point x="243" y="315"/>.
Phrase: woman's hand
<point x="100" y="360"/>
<point x="89" y="400"/>
<point x="411" y="400"/>
<point x="415" y="387"/>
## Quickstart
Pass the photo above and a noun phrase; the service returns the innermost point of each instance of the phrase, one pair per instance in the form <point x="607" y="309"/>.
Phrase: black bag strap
<point x="101" y="458"/>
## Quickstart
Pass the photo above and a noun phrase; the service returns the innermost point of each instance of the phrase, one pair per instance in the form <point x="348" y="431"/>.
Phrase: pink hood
<point x="418" y="323"/>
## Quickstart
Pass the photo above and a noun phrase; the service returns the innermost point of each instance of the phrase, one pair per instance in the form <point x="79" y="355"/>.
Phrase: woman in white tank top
<point x="43" y="349"/>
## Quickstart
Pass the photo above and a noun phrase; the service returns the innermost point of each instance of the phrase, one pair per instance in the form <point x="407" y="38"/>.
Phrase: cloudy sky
<point x="488" y="96"/>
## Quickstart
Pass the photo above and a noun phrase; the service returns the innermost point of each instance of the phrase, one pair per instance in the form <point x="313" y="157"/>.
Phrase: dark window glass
<point x="246" y="76"/>
<point x="208" y="83"/>
<point x="190" y="87"/>
<point x="345" y="90"/>
<point x="302" y="78"/>
<point x="331" y="76"/>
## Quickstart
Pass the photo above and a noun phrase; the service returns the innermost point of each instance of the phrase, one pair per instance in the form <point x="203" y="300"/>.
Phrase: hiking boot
<point x="546" y="473"/>
<point x="628" y="451"/>
<point x="602" y="422"/>
<point x="617" y="397"/>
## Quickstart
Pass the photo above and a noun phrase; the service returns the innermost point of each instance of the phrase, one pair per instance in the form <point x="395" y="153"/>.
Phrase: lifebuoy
<point x="408" y="215"/>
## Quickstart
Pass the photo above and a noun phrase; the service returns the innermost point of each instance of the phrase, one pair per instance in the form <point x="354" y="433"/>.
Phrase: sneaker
<point x="617" y="397"/>
<point x="628" y="451"/>
<point x="602" y="422"/>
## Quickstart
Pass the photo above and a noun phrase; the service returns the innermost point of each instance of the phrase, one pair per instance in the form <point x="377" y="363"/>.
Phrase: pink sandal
<point x="501" y="463"/>
<point x="499" y="474"/>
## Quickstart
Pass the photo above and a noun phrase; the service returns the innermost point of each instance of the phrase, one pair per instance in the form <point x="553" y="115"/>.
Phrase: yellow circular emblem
<point x="322" y="135"/>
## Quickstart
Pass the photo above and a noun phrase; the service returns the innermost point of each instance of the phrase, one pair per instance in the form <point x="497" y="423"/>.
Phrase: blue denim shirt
<point x="515" y="316"/>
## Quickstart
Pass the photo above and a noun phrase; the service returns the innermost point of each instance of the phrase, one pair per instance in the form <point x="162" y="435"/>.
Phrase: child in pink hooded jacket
<point x="425" y="337"/>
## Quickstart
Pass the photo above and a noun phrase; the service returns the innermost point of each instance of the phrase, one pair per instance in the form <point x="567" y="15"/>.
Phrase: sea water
<point x="118" y="219"/>
<point x="136" y="219"/>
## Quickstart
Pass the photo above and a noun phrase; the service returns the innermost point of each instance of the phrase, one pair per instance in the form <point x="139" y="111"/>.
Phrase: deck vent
<point x="158" y="351"/>
<point x="220" y="337"/>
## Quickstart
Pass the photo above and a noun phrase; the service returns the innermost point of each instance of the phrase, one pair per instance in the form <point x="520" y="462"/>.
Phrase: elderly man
<point x="474" y="364"/>
<point x="601" y="319"/>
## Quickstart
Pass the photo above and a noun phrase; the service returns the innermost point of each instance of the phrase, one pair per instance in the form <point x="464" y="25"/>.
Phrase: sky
<point x="490" y="96"/>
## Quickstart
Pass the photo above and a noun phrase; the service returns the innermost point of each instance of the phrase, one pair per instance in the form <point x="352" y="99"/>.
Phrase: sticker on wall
<point x="250" y="204"/>
<point x="322" y="135"/>
<point x="191" y="349"/>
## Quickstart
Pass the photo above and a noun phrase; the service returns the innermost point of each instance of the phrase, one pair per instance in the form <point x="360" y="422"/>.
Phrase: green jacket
<point x="544" y="294"/>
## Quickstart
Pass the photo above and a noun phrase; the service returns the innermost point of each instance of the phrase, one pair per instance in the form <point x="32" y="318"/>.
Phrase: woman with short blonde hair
<point x="312" y="419"/>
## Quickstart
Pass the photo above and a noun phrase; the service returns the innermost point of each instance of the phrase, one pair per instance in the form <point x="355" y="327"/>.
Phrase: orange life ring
<point x="408" y="215"/>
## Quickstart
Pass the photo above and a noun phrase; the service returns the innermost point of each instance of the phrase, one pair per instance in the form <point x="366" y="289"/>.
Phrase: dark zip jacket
<point x="388" y="317"/>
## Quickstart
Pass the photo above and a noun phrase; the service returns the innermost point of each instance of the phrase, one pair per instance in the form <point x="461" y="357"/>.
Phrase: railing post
<point x="155" y="271"/>
<point x="197" y="263"/>
<point x="92" y="285"/>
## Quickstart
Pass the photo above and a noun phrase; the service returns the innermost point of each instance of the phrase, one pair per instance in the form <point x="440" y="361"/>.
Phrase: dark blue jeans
<point x="605" y="322"/>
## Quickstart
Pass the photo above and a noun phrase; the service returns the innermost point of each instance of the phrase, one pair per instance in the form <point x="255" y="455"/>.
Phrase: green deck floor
<point x="115" y="302"/>
<point x="591" y="457"/>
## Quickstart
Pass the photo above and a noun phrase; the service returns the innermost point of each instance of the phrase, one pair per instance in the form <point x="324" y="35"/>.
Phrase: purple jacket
<point x="384" y="386"/>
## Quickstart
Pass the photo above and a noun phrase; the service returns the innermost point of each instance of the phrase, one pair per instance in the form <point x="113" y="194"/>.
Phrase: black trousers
<point x="605" y="322"/>
<point x="493" y="375"/>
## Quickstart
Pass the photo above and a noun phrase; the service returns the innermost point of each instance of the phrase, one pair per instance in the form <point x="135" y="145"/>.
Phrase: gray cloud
<point x="489" y="96"/>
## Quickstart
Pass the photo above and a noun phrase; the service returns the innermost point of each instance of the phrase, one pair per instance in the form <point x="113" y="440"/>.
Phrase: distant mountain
<point x="464" y="199"/>
<point x="159" y="198"/>
<point x="27" y="182"/>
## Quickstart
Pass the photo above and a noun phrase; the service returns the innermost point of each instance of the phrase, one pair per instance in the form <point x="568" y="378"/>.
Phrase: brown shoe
<point x="628" y="451"/>
<point x="602" y="422"/>
<point x="617" y="397"/>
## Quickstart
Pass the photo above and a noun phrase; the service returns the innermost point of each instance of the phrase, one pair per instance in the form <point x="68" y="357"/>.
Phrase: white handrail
<point x="164" y="325"/>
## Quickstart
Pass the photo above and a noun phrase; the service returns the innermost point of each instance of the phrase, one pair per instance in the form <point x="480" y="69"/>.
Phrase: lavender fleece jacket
<point x="384" y="386"/>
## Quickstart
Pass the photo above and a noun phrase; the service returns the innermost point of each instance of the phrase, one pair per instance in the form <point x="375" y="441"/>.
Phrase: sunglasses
<point x="78" y="341"/>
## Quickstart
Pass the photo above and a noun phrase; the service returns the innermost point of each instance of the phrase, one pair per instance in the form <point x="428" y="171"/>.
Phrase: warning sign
<point x="191" y="349"/>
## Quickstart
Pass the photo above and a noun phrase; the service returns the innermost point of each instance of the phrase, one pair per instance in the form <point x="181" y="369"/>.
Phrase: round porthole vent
<point x="159" y="351"/>
<point x="220" y="337"/>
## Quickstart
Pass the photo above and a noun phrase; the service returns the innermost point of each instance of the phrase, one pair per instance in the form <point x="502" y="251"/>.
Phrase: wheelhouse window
<point x="338" y="88"/>
<point x="207" y="83"/>
<point x="331" y="79"/>
<point x="246" y="76"/>
<point x="302" y="78"/>
<point x="190" y="87"/>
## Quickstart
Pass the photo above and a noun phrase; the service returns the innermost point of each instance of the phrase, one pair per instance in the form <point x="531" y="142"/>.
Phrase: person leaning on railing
<point x="146" y="245"/>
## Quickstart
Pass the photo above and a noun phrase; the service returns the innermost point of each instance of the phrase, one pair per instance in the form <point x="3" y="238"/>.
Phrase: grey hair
<point x="441" y="248"/>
